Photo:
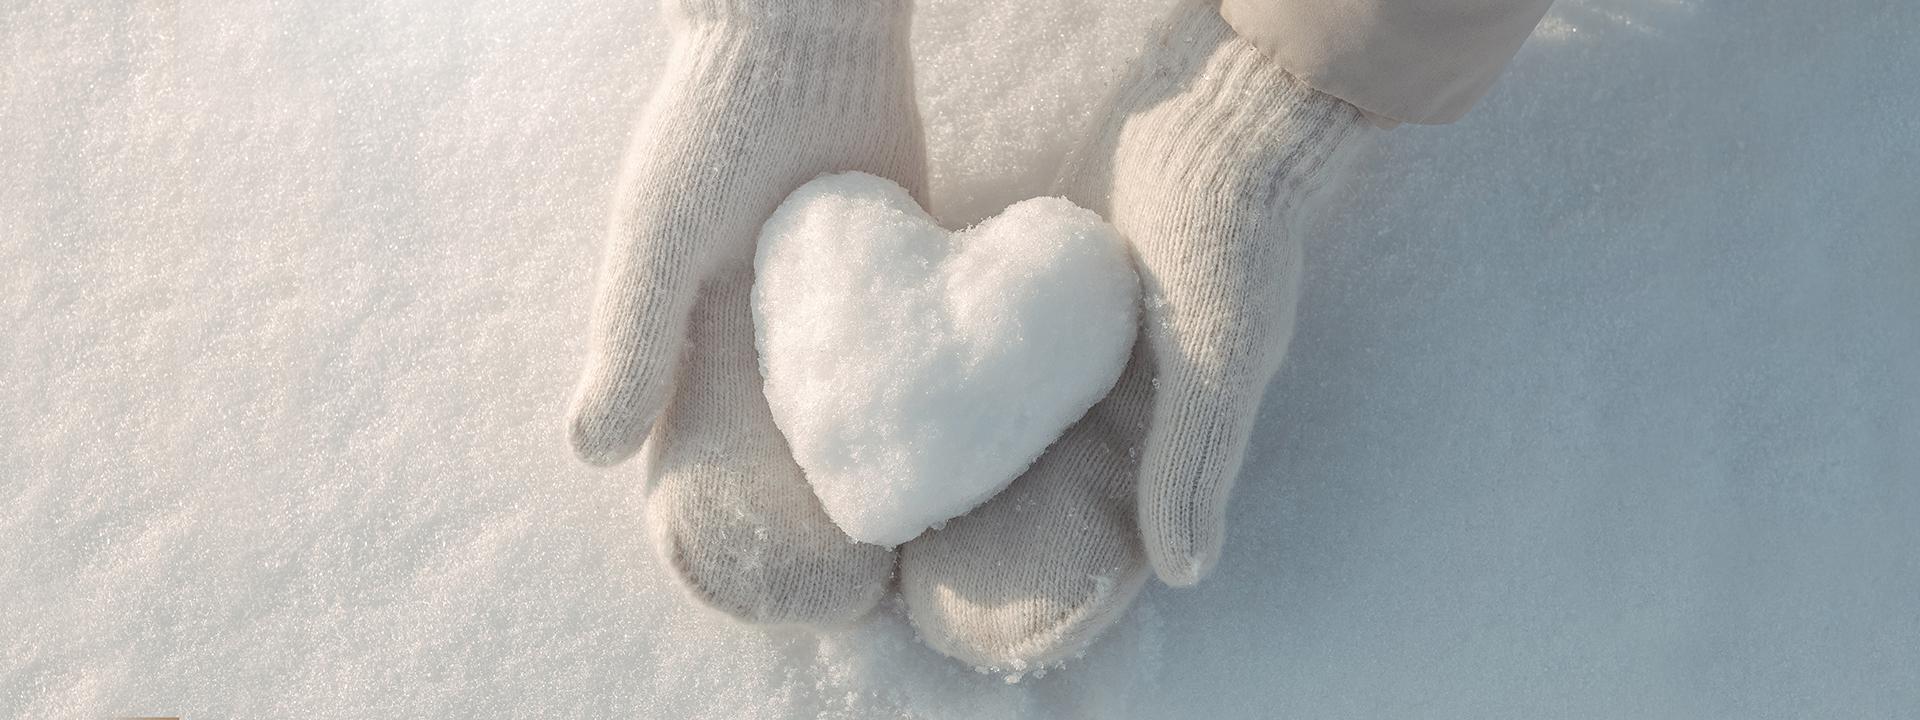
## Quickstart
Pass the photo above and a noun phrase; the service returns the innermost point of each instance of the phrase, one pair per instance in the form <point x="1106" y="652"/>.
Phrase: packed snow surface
<point x="1603" y="401"/>
<point x="915" y="371"/>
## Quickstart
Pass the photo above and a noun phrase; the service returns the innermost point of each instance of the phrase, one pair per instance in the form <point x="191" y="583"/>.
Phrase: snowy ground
<point x="1605" y="402"/>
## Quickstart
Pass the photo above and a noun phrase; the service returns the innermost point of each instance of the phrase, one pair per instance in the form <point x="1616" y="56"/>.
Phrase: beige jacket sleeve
<point x="1417" y="61"/>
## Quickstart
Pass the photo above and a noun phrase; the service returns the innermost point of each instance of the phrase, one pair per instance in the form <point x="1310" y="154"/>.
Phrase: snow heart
<point x="915" y="372"/>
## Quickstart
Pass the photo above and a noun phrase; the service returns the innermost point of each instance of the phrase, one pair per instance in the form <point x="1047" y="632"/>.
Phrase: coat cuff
<point x="1416" y="61"/>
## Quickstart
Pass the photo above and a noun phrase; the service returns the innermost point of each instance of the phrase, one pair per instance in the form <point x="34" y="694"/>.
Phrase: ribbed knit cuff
<point x="1239" y="87"/>
<point x="1223" y="113"/>
<point x="834" y="18"/>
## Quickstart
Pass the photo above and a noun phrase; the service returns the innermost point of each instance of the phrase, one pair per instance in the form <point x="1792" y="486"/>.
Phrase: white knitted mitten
<point x="1212" y="163"/>
<point x="758" y="97"/>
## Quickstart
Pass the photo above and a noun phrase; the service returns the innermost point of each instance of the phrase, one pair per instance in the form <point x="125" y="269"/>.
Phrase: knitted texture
<point x="758" y="97"/>
<point x="1211" y="163"/>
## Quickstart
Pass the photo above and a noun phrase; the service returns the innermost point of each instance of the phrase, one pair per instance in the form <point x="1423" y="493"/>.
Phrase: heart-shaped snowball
<point x="915" y="372"/>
